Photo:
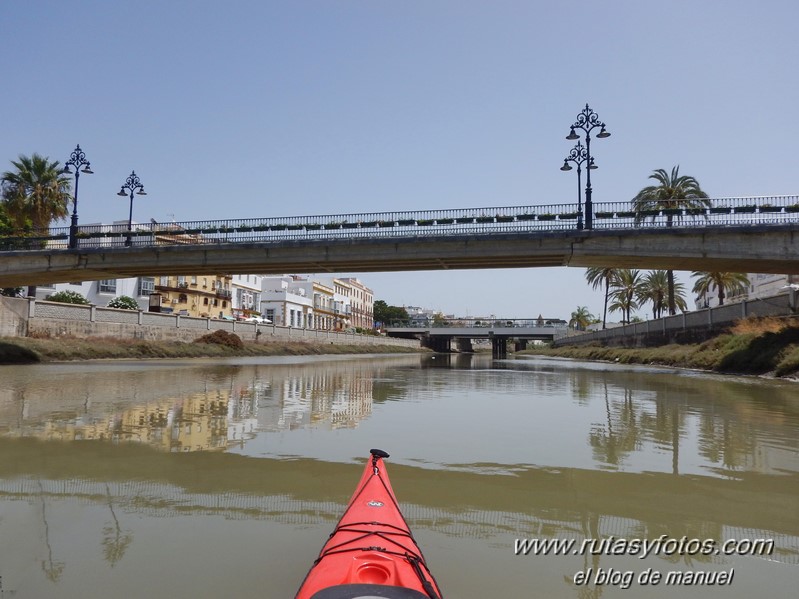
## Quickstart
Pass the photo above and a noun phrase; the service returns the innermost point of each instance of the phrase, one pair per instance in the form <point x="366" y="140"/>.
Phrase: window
<point x="183" y="298"/>
<point x="107" y="286"/>
<point x="146" y="285"/>
<point x="205" y="301"/>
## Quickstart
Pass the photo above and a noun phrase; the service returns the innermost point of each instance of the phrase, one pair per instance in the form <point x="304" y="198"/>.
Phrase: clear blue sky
<point x="261" y="108"/>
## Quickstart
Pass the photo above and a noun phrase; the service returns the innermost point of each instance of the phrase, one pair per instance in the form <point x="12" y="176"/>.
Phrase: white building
<point x="101" y="292"/>
<point x="285" y="301"/>
<point x="246" y="291"/>
<point x="767" y="285"/>
<point x="760" y="285"/>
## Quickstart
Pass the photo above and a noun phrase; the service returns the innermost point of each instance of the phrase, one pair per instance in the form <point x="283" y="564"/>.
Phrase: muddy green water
<point x="223" y="479"/>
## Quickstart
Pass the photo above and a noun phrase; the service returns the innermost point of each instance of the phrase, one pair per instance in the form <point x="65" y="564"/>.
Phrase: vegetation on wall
<point x="124" y="302"/>
<point x="67" y="297"/>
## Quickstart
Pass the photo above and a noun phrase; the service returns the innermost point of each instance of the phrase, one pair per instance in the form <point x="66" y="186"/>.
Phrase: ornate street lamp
<point x="578" y="155"/>
<point x="587" y="120"/>
<point x="132" y="184"/>
<point x="77" y="159"/>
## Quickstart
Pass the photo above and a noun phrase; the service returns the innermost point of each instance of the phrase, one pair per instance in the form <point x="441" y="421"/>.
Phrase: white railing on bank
<point x="96" y="314"/>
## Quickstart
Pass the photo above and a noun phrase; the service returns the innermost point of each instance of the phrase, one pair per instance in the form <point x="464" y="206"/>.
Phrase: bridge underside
<point x="766" y="249"/>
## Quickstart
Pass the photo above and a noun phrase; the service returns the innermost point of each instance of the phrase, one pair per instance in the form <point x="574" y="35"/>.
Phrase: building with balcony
<point x="342" y="307"/>
<point x="246" y="295"/>
<point x="324" y="314"/>
<point x="361" y="303"/>
<point x="207" y="296"/>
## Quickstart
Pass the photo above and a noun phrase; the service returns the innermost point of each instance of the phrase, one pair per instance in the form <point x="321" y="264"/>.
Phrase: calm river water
<point x="223" y="479"/>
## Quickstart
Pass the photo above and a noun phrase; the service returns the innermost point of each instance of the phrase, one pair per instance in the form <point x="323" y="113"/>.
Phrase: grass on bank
<point x="21" y="350"/>
<point x="751" y="346"/>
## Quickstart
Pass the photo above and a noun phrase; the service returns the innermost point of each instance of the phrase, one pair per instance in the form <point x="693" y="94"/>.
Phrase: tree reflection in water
<point x="619" y="436"/>
<point x="115" y="542"/>
<point x="52" y="569"/>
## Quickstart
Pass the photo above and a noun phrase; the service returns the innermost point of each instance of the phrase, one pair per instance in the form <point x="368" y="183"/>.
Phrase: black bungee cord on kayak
<point x="414" y="558"/>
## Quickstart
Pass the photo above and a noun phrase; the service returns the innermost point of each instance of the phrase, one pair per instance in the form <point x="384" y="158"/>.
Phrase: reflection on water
<point x="200" y="478"/>
<point x="182" y="412"/>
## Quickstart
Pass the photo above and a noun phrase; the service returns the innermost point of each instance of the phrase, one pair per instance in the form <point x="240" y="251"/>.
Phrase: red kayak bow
<point x="371" y="554"/>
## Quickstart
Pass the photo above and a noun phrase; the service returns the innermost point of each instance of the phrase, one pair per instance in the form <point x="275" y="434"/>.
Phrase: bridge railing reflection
<point x="763" y="210"/>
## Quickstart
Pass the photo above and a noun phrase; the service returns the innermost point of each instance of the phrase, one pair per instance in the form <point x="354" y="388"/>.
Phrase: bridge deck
<point x="706" y="241"/>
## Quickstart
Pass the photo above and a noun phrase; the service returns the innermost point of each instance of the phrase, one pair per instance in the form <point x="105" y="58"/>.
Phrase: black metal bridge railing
<point x="720" y="212"/>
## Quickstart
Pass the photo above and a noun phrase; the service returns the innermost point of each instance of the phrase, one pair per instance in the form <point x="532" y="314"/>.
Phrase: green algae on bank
<point x="754" y="353"/>
<point x="11" y="353"/>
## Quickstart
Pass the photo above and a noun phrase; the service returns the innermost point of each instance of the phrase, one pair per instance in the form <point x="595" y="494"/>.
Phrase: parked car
<point x="258" y="319"/>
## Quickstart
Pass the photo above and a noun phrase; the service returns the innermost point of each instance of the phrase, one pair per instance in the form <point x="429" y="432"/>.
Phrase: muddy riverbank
<point x="767" y="346"/>
<point x="24" y="350"/>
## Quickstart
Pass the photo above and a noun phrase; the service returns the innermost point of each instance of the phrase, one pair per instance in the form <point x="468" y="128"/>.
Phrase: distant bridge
<point x="731" y="234"/>
<point x="439" y="335"/>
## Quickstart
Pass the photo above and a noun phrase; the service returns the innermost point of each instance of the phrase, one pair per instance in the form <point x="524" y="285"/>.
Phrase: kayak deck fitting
<point x="371" y="553"/>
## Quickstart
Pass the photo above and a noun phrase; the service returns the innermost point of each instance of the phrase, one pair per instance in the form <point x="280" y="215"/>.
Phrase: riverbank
<point x="26" y="350"/>
<point x="762" y="346"/>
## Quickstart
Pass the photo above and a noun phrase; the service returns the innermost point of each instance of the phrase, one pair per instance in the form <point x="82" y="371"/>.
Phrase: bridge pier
<point x="499" y="348"/>
<point x="437" y="344"/>
<point x="521" y="344"/>
<point x="464" y="345"/>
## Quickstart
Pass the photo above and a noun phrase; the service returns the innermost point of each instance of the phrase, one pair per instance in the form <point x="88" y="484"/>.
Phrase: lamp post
<point x="132" y="184"/>
<point x="587" y="120"/>
<point x="77" y="159"/>
<point x="578" y="155"/>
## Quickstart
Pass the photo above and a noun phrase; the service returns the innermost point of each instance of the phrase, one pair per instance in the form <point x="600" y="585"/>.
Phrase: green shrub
<point x="124" y="302"/>
<point x="67" y="297"/>
<point x="789" y="362"/>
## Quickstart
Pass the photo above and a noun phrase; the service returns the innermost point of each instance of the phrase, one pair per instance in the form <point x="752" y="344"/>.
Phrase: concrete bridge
<point x="739" y="234"/>
<point x="438" y="336"/>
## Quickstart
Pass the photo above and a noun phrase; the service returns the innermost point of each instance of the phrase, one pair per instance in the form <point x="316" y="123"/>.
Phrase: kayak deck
<point x="371" y="553"/>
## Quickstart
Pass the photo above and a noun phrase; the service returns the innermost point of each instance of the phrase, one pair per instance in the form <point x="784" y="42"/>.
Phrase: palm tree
<point x="672" y="192"/>
<point x="727" y="283"/>
<point x="597" y="277"/>
<point x="625" y="292"/>
<point x="654" y="289"/>
<point x="6" y="225"/>
<point x="37" y="192"/>
<point x="581" y="318"/>
<point x="34" y="195"/>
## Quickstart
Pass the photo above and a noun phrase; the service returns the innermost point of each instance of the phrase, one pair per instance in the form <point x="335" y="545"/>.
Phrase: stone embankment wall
<point x="689" y="327"/>
<point x="27" y="317"/>
<point x="13" y="317"/>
